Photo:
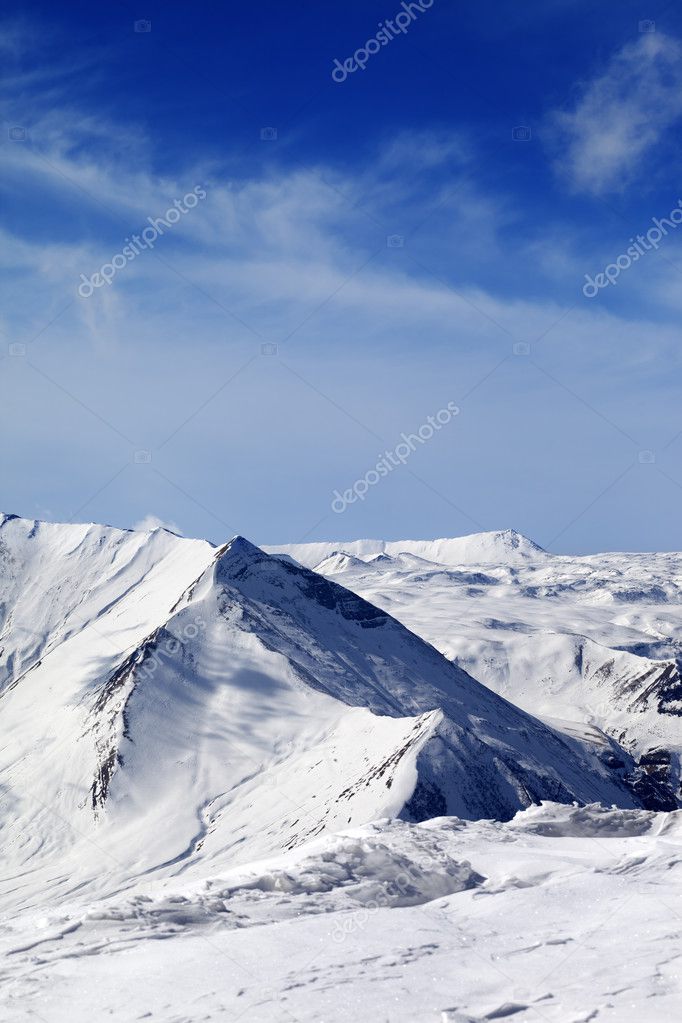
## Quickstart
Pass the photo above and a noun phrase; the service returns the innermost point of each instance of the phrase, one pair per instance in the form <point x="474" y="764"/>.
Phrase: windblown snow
<point x="407" y="785"/>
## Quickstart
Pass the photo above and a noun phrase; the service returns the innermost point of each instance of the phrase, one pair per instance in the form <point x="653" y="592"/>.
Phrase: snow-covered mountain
<point x="504" y="546"/>
<point x="163" y="695"/>
<point x="584" y="642"/>
<point x="173" y="712"/>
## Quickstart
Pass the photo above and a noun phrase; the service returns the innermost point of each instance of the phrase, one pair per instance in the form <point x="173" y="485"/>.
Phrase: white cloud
<point x="621" y="115"/>
<point x="288" y="250"/>
<point x="150" y="522"/>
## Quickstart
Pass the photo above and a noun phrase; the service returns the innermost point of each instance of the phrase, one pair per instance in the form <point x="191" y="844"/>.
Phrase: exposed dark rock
<point x="651" y="781"/>
<point x="427" y="801"/>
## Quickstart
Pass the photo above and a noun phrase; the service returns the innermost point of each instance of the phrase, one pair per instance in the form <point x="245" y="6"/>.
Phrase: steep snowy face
<point x="185" y="703"/>
<point x="486" y="757"/>
<point x="593" y="640"/>
<point x="279" y="696"/>
<point x="57" y="581"/>
<point x="77" y="601"/>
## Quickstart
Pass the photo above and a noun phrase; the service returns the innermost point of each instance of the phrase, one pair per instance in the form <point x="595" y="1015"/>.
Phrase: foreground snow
<point x="562" y="914"/>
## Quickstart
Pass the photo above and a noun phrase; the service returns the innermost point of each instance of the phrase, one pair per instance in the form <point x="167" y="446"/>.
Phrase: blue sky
<point x="365" y="252"/>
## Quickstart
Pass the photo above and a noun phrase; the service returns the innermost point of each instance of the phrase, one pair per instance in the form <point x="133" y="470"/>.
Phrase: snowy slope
<point x="595" y="641"/>
<point x="560" y="915"/>
<point x="214" y="762"/>
<point x="177" y="693"/>
<point x="59" y="580"/>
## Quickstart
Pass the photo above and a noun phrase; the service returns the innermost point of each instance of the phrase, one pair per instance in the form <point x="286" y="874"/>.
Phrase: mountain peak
<point x="237" y="556"/>
<point x="240" y="545"/>
<point x="512" y="539"/>
<point x="502" y="546"/>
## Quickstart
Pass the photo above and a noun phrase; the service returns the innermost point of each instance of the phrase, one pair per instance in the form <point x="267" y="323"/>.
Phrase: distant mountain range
<point x="592" y="644"/>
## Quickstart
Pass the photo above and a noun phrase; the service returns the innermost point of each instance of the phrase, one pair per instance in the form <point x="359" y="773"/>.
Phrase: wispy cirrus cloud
<point x="294" y="253"/>
<point x="620" y="116"/>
